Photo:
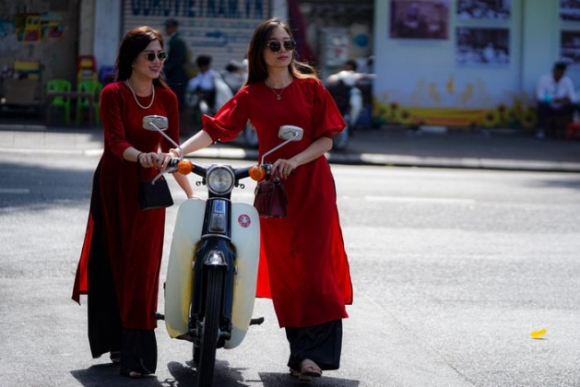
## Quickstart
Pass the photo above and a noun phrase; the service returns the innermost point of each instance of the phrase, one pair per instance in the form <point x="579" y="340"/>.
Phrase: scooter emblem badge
<point x="244" y="221"/>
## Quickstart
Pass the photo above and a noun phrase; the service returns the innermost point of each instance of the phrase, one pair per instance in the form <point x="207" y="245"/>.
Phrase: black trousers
<point x="546" y="112"/>
<point x="320" y="343"/>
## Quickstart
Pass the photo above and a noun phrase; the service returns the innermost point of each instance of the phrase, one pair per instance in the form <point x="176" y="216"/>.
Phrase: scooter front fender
<point x="246" y="239"/>
<point x="179" y="280"/>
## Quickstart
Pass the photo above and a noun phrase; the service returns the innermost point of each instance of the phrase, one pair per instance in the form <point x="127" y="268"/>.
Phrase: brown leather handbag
<point x="270" y="199"/>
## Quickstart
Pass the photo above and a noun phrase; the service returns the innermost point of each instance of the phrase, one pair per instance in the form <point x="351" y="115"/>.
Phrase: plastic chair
<point x="59" y="101"/>
<point x="88" y="86"/>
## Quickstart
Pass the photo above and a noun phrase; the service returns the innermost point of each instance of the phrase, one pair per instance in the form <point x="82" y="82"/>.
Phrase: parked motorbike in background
<point x="211" y="277"/>
<point x="348" y="89"/>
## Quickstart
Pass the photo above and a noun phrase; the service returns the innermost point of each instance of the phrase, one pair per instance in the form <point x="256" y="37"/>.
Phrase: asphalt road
<point x="452" y="271"/>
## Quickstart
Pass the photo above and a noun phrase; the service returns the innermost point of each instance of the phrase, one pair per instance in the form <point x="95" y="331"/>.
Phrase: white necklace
<point x="135" y="95"/>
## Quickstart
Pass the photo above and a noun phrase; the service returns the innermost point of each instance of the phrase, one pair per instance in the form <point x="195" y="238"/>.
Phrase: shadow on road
<point x="223" y="376"/>
<point x="108" y="375"/>
<point x="276" y="379"/>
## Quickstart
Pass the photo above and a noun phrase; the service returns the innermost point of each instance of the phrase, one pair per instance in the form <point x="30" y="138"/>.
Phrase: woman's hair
<point x="257" y="68"/>
<point x="134" y="42"/>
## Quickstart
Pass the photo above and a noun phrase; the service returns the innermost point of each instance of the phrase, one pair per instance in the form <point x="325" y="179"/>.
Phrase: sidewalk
<point x="505" y="149"/>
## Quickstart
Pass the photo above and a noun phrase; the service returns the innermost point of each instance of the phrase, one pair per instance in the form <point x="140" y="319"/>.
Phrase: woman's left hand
<point x="284" y="167"/>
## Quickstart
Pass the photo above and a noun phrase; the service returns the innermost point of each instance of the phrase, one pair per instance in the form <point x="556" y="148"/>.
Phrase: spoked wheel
<point x="210" y="328"/>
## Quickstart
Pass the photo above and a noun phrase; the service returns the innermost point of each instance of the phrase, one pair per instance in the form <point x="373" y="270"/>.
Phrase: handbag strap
<point x="276" y="175"/>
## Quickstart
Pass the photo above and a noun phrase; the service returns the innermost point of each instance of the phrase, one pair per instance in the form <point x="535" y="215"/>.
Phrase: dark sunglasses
<point x="151" y="56"/>
<point x="275" y="45"/>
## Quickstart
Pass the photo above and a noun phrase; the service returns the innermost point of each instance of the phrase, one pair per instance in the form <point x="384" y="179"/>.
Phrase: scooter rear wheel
<point x="210" y="329"/>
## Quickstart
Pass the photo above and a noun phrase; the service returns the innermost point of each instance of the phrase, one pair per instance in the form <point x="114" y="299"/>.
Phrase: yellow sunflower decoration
<point x="404" y="117"/>
<point x="529" y="118"/>
<point x="491" y="118"/>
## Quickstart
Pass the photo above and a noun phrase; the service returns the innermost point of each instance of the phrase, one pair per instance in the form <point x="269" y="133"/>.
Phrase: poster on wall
<point x="482" y="45"/>
<point x="570" y="10"/>
<point x="420" y="19"/>
<point x="570" y="47"/>
<point x="484" y="9"/>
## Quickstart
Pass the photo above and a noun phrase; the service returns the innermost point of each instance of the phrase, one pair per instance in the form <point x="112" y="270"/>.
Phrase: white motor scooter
<point x="213" y="263"/>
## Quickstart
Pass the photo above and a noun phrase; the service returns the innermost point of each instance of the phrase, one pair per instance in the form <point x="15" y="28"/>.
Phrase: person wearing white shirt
<point x="202" y="87"/>
<point x="556" y="98"/>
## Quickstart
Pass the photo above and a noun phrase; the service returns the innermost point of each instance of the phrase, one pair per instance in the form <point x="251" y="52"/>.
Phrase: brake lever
<point x="168" y="170"/>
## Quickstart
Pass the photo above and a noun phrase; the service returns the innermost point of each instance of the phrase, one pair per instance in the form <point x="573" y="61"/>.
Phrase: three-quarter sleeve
<point x="229" y="121"/>
<point x="114" y="131"/>
<point x="327" y="118"/>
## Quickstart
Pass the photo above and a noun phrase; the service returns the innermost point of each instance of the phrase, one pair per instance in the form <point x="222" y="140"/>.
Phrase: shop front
<point x="38" y="42"/>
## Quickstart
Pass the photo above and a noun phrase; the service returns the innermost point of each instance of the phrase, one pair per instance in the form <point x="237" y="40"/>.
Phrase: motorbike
<point x="346" y="87"/>
<point x="211" y="278"/>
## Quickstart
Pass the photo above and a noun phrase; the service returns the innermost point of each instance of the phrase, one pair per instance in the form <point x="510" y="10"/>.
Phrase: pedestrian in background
<point x="174" y="67"/>
<point x="303" y="264"/>
<point x="121" y="256"/>
<point x="556" y="98"/>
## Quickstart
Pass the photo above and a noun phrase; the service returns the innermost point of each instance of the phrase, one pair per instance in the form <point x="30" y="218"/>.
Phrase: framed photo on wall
<point x="570" y="47"/>
<point x="482" y="45"/>
<point x="419" y="19"/>
<point x="570" y="10"/>
<point x="484" y="9"/>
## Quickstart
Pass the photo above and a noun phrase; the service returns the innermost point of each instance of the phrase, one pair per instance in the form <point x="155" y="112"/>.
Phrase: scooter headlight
<point x="220" y="180"/>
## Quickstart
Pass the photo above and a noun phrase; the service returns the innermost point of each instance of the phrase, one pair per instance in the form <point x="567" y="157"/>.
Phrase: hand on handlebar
<point x="148" y="159"/>
<point x="284" y="167"/>
<point x="163" y="160"/>
<point x="175" y="152"/>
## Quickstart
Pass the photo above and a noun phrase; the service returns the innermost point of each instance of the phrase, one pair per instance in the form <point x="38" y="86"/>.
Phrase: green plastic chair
<point x="59" y="102"/>
<point x="88" y="86"/>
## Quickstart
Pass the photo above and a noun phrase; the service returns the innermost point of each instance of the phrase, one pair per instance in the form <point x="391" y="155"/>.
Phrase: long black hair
<point x="134" y="42"/>
<point x="257" y="68"/>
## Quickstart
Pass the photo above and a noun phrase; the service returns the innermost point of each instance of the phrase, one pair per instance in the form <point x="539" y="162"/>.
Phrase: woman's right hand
<point x="148" y="159"/>
<point x="175" y="152"/>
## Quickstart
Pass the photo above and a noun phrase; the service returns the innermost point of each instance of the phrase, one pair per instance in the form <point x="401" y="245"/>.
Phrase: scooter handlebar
<point x="185" y="167"/>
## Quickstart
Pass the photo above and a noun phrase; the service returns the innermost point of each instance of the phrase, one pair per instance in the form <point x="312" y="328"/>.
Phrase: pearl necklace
<point x="135" y="95"/>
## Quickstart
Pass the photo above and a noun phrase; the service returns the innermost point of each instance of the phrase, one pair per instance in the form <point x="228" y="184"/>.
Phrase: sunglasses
<point x="151" y="56"/>
<point x="275" y="45"/>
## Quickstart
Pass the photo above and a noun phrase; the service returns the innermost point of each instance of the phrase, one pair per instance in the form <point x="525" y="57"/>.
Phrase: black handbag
<point x="153" y="195"/>
<point x="270" y="199"/>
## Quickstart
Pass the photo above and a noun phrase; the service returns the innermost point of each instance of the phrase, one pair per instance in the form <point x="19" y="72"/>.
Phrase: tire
<point x="340" y="140"/>
<point x="210" y="330"/>
<point x="250" y="137"/>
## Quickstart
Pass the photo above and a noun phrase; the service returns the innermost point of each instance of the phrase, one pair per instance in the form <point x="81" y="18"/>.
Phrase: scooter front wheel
<point x="210" y="327"/>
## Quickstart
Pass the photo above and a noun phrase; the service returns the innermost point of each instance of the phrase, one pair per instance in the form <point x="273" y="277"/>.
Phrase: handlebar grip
<point x="173" y="162"/>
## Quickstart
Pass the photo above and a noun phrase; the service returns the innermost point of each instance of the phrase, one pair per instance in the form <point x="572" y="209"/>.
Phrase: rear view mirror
<point x="159" y="124"/>
<point x="155" y="123"/>
<point x="290" y="132"/>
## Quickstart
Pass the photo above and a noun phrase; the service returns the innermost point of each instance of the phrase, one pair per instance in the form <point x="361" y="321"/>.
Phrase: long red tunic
<point x="303" y="264"/>
<point x="133" y="238"/>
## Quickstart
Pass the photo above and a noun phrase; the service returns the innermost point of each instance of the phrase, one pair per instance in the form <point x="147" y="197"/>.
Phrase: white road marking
<point x="420" y="200"/>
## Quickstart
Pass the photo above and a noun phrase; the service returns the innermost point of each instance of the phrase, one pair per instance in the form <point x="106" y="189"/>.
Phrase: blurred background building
<point x="442" y="62"/>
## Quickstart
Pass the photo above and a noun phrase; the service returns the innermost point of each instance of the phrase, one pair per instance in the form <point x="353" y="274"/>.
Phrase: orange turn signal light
<point x="184" y="167"/>
<point x="257" y="173"/>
